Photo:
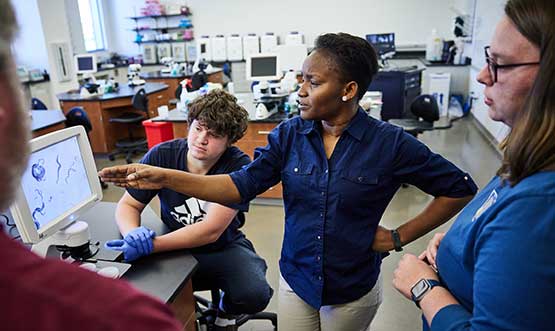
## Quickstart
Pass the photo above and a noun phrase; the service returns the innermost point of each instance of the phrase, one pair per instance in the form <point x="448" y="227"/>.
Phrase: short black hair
<point x="354" y="57"/>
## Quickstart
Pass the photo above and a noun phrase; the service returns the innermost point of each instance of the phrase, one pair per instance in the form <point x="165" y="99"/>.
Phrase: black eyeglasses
<point x="492" y="66"/>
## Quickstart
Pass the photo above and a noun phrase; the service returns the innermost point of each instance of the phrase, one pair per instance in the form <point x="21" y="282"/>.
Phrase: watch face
<point x="420" y="288"/>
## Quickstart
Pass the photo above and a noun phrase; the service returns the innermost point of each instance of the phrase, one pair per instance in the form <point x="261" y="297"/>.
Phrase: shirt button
<point x="319" y="237"/>
<point x="323" y="193"/>
<point x="318" y="258"/>
<point x="321" y="214"/>
<point x="319" y="277"/>
<point x="465" y="177"/>
<point x="326" y="171"/>
<point x="296" y="170"/>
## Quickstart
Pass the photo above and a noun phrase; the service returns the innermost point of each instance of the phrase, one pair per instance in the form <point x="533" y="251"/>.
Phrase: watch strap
<point x="433" y="283"/>
<point x="396" y="240"/>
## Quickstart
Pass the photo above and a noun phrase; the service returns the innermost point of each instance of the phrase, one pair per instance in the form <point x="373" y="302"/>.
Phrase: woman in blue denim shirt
<point x="340" y="169"/>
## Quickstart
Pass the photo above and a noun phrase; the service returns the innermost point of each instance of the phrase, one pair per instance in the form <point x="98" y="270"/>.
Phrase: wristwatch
<point x="396" y="240"/>
<point x="420" y="289"/>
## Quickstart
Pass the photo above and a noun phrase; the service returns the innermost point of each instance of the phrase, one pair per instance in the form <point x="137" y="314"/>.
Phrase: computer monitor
<point x="263" y="67"/>
<point x="384" y="43"/>
<point x="59" y="184"/>
<point x="85" y="63"/>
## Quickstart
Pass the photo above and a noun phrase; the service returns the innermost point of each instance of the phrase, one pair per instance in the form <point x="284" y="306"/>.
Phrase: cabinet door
<point x="156" y="100"/>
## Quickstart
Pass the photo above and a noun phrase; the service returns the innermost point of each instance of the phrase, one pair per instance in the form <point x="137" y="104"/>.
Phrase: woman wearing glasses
<point x="495" y="268"/>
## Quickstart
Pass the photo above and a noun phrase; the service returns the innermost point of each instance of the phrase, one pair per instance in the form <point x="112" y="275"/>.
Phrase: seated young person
<point x="227" y="259"/>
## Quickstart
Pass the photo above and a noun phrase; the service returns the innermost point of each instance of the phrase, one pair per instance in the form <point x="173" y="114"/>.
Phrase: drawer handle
<point x="263" y="132"/>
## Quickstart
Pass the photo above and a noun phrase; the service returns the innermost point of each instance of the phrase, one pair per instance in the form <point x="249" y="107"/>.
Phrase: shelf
<point x="160" y="29"/>
<point x="157" y="16"/>
<point x="162" y="41"/>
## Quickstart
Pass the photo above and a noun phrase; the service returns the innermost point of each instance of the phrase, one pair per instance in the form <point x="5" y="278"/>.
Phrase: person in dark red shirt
<point x="48" y="295"/>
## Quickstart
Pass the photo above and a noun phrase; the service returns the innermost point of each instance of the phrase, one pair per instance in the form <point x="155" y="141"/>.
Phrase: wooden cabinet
<point x="156" y="100"/>
<point x="257" y="135"/>
<point x="183" y="306"/>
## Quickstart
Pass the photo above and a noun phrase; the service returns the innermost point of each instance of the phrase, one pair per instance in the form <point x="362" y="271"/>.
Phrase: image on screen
<point x="383" y="43"/>
<point x="55" y="181"/>
<point x="85" y="63"/>
<point x="263" y="66"/>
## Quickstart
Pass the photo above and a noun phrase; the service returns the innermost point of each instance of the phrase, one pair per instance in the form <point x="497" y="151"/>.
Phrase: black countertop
<point x="124" y="91"/>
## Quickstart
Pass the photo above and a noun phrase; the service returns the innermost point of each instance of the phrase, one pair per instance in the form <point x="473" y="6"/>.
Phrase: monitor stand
<point x="73" y="238"/>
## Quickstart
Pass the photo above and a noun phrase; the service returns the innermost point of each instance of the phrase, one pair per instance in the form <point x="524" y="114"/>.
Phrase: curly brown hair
<point x="218" y="111"/>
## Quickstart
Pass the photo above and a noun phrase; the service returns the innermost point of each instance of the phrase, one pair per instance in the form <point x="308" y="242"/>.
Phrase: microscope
<point x="134" y="75"/>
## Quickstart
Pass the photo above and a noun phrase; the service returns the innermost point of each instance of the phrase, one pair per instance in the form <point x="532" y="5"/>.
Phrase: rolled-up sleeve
<point x="417" y="165"/>
<point x="264" y="172"/>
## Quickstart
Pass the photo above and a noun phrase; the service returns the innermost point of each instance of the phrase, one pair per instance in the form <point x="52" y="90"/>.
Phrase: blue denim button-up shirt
<point x="333" y="207"/>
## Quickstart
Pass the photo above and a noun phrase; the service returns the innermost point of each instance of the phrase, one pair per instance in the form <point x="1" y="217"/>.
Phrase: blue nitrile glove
<point x="130" y="253"/>
<point x="141" y="238"/>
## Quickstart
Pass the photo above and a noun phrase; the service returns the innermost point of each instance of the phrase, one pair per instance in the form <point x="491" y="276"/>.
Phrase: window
<point x="92" y="24"/>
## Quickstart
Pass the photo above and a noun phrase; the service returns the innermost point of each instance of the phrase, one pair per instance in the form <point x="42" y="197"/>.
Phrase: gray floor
<point x="462" y="145"/>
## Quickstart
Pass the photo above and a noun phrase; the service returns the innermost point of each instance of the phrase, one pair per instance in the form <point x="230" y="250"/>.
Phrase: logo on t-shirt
<point x="489" y="202"/>
<point x="191" y="212"/>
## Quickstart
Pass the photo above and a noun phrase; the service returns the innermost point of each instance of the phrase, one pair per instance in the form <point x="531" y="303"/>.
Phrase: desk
<point x="216" y="75"/>
<point x="166" y="276"/>
<point x="46" y="121"/>
<point x="100" y="109"/>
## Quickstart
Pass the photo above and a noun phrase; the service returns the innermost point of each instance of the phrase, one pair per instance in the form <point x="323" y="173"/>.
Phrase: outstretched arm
<point x="216" y="188"/>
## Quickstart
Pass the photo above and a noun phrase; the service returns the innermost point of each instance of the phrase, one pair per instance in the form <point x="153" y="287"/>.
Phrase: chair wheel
<point x="111" y="157"/>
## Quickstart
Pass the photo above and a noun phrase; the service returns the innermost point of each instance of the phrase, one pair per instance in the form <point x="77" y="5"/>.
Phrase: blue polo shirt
<point x="498" y="259"/>
<point x="333" y="207"/>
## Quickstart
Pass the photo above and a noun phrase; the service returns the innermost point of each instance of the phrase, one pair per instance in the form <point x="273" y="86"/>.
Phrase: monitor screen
<point x="264" y="66"/>
<point x="55" y="181"/>
<point x="383" y="42"/>
<point x="85" y="63"/>
<point x="58" y="186"/>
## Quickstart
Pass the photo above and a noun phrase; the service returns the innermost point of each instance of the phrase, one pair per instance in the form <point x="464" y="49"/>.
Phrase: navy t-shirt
<point x="179" y="210"/>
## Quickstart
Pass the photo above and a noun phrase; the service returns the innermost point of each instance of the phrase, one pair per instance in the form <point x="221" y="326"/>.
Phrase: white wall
<point x="411" y="20"/>
<point x="488" y="13"/>
<point x="29" y="47"/>
<point x="55" y="28"/>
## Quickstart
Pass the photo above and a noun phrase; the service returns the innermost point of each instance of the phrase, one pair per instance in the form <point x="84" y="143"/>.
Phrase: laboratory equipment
<point x="164" y="50"/>
<point x="149" y="54"/>
<point x="384" y="44"/>
<point x="294" y="38"/>
<point x="134" y="75"/>
<point x="268" y="43"/>
<point x="219" y="51"/>
<point x="251" y="45"/>
<point x="234" y="48"/>
<point x="23" y="74"/>
<point x="59" y="184"/>
<point x="85" y="64"/>
<point x="178" y="52"/>
<point x="204" y="51"/>
<point x="263" y="67"/>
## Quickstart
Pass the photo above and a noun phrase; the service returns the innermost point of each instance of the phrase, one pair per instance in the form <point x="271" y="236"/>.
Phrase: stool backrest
<point x="78" y="116"/>
<point x="425" y="106"/>
<point x="36" y="104"/>
<point x="140" y="100"/>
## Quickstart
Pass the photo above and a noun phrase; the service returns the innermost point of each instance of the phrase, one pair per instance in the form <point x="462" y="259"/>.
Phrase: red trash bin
<point x="157" y="132"/>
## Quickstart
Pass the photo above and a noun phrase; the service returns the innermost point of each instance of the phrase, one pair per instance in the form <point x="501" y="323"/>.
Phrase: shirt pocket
<point x="297" y="178"/>
<point x="358" y="187"/>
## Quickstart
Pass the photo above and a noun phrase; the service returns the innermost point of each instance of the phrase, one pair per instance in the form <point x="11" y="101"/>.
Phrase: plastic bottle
<point x="433" y="47"/>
